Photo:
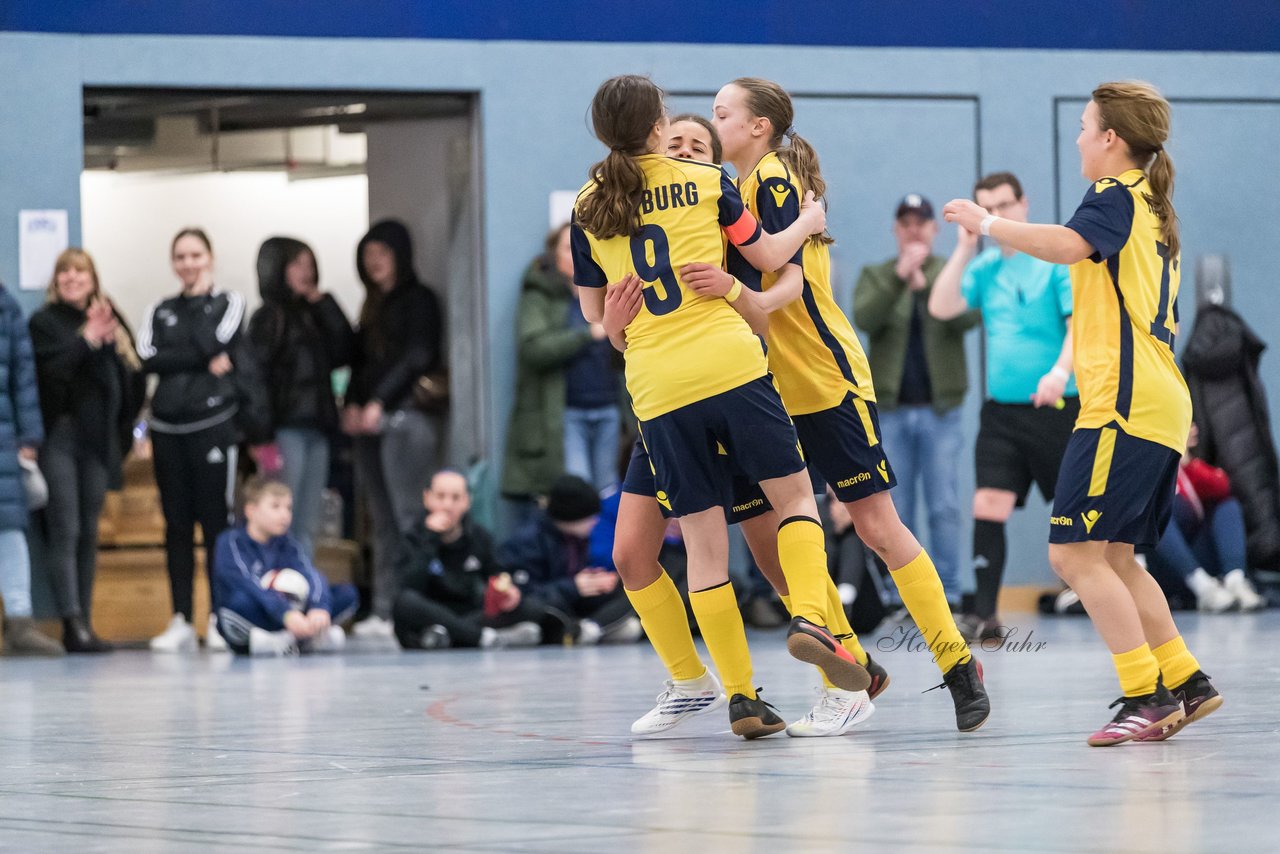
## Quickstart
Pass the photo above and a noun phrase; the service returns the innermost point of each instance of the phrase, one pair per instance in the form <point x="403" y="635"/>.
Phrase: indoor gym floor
<point x="530" y="751"/>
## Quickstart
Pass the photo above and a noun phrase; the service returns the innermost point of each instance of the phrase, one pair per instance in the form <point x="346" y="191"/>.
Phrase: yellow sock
<point x="786" y="602"/>
<point x="922" y="593"/>
<point x="802" y="552"/>
<point x="665" y="622"/>
<point x="839" y="624"/>
<point x="726" y="639"/>
<point x="1138" y="671"/>
<point x="1176" y="662"/>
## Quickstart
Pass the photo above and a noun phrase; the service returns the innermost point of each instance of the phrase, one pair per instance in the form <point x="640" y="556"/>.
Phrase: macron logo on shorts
<point x="1063" y="521"/>
<point x="883" y="468"/>
<point x="1090" y="518"/>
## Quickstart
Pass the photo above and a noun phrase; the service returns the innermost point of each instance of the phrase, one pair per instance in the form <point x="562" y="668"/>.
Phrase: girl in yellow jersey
<point x="1116" y="486"/>
<point x="642" y="523"/>
<point x="824" y="380"/>
<point x="698" y="379"/>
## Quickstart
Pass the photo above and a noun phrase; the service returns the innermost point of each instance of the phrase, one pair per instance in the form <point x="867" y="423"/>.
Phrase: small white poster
<point x="562" y="206"/>
<point x="42" y="235"/>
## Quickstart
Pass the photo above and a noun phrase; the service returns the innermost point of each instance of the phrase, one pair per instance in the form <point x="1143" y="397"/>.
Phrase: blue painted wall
<point x="967" y="111"/>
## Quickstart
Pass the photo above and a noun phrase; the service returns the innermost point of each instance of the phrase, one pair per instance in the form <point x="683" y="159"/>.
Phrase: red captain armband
<point x="744" y="231"/>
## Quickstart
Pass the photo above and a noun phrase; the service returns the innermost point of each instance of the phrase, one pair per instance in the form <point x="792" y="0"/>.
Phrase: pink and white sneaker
<point x="1149" y="717"/>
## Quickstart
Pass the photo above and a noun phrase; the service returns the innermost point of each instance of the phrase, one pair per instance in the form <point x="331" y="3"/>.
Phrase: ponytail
<point x="613" y="209"/>
<point x="1160" y="178"/>
<point x="802" y="160"/>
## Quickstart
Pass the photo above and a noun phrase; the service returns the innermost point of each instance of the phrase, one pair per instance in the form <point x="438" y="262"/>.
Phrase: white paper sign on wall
<point x="42" y="235"/>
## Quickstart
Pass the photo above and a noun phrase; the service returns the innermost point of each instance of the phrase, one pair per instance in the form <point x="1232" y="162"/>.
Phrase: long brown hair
<point x="75" y="257"/>
<point x="1139" y="115"/>
<point x="623" y="113"/>
<point x="768" y="100"/>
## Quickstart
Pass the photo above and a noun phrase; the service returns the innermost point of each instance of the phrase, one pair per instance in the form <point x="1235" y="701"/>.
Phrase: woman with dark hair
<point x="396" y="442"/>
<point x="206" y="394"/>
<point x="300" y="337"/>
<point x="91" y="388"/>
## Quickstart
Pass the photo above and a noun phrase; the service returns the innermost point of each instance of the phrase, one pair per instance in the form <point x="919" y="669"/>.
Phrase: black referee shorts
<point x="1019" y="444"/>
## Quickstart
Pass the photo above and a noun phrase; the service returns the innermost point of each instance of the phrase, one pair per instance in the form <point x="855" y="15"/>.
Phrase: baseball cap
<point x="914" y="203"/>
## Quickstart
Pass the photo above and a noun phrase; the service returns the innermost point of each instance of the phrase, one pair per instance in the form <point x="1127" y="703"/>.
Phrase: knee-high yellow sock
<point x="1176" y="662"/>
<point x="726" y="639"/>
<point x="922" y="593"/>
<point x="1138" y="671"/>
<point x="662" y="614"/>
<point x="839" y="624"/>
<point x="802" y="552"/>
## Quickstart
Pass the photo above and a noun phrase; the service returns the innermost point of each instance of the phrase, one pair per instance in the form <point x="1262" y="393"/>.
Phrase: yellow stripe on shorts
<point x="1102" y="462"/>
<point x="868" y="425"/>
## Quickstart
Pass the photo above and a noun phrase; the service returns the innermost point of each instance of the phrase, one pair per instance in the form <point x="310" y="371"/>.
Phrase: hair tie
<point x="790" y="133"/>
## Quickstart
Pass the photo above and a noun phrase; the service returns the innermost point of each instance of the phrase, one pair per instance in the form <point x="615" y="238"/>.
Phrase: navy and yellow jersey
<point x="1125" y="303"/>
<point x="813" y="352"/>
<point x="682" y="347"/>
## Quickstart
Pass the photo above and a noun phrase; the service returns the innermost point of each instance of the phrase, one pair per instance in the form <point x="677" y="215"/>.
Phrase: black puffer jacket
<point x="178" y="338"/>
<point x="400" y="335"/>
<point x="1221" y="366"/>
<point x="298" y="345"/>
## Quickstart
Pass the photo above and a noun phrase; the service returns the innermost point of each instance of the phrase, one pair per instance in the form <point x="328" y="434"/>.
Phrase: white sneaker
<point x="178" y="637"/>
<point x="526" y="633"/>
<point x="1211" y="596"/>
<point x="589" y="633"/>
<point x="624" y="631"/>
<point x="267" y="644"/>
<point x="332" y="640"/>
<point x="681" y="701"/>
<point x="373" y="626"/>
<point x="836" y="713"/>
<point x="1238" y="585"/>
<point x="213" y="639"/>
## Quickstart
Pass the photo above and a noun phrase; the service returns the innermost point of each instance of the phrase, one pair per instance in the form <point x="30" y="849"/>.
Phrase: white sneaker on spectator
<point x="213" y="639"/>
<point x="623" y="631"/>
<point x="178" y="637"/>
<point x="1241" y="588"/>
<point x="836" y="713"/>
<point x="267" y="644"/>
<point x="437" y="637"/>
<point x="1211" y="596"/>
<point x="373" y="626"/>
<point x="333" y="639"/>
<point x="521" y="634"/>
<point x="589" y="633"/>
<point x="680" y="701"/>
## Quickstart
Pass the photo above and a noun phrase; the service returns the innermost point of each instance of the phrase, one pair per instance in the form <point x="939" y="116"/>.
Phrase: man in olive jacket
<point x="545" y="344"/>
<point x="921" y="376"/>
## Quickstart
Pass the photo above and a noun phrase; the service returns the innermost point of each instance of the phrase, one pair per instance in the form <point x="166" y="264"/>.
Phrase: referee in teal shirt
<point x="1031" y="403"/>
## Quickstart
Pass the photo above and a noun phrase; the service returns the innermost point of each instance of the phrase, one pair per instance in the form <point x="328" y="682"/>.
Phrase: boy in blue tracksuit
<point x="259" y="621"/>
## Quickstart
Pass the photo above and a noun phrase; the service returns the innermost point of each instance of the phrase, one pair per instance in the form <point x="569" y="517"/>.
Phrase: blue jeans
<point x="1216" y="542"/>
<point x="305" y="454"/>
<point x="591" y="444"/>
<point x="15" y="573"/>
<point x="925" y="446"/>
<point x="242" y="612"/>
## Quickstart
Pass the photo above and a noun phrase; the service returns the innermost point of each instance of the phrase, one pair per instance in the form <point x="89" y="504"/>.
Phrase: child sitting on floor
<point x="269" y="598"/>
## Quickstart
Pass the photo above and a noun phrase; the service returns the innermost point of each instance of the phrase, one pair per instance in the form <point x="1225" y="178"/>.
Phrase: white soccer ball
<point x="290" y="584"/>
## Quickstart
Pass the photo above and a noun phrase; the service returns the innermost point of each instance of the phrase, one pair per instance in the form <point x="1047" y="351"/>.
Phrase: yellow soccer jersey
<point x="681" y="348"/>
<point x="1125" y="299"/>
<point x="814" y="354"/>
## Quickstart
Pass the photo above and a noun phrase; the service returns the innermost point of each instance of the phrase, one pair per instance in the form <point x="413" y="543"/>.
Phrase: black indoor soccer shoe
<point x="964" y="681"/>
<point x="879" y="677"/>
<point x="753" y="718"/>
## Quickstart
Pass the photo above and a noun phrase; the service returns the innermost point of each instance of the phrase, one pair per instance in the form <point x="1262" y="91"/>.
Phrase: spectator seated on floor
<point x="551" y="559"/>
<point x="453" y="591"/>
<point x="268" y="597"/>
<point x="1202" y="551"/>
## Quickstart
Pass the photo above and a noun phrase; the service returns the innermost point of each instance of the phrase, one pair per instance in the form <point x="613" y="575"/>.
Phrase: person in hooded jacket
<point x="208" y="397"/>
<point x="300" y="336"/>
<point x="399" y="340"/>
<point x="565" y="416"/>
<point x="91" y="388"/>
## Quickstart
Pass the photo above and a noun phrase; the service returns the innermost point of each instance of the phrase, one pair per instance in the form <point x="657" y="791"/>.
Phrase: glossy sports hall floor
<point x="529" y="751"/>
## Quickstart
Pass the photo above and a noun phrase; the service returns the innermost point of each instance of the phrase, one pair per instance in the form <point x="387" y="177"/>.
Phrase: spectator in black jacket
<point x="453" y="591"/>
<point x="208" y="392"/>
<point x="396" y="443"/>
<point x="91" y="388"/>
<point x="549" y="558"/>
<point x="300" y="336"/>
